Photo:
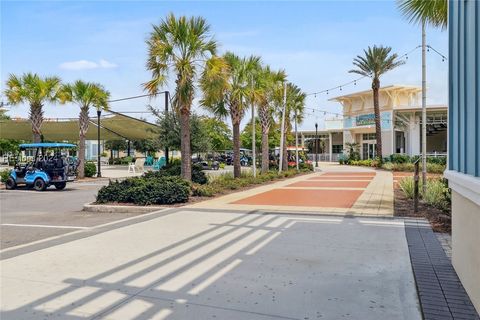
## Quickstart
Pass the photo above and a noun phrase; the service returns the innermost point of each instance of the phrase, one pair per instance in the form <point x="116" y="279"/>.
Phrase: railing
<point x="324" y="157"/>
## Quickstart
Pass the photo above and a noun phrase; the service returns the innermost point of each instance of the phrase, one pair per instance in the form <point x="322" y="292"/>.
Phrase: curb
<point x="105" y="208"/>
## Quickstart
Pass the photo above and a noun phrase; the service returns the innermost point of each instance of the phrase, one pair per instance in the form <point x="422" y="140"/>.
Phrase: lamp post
<point x="316" y="144"/>
<point x="99" y="172"/>
<point x="166" y="112"/>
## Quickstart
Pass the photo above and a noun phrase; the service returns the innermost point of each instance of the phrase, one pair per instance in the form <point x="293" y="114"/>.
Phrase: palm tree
<point x="32" y="89"/>
<point x="180" y="45"/>
<point x="433" y="12"/>
<point x="269" y="83"/>
<point x="295" y="108"/>
<point x="85" y="95"/>
<point x="376" y="62"/>
<point x="226" y="89"/>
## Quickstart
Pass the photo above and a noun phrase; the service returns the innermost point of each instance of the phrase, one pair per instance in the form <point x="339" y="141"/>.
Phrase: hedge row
<point x="145" y="191"/>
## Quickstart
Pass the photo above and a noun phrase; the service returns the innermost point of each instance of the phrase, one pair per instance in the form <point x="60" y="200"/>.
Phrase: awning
<point x="116" y="127"/>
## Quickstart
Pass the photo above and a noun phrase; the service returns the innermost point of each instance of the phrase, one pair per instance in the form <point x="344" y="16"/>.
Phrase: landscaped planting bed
<point x="434" y="204"/>
<point x="165" y="187"/>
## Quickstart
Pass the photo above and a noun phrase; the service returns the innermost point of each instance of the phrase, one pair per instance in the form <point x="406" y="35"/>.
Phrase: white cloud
<point x="86" y="64"/>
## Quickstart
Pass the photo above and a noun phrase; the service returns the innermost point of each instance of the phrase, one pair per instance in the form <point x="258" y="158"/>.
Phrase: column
<point x="330" y="146"/>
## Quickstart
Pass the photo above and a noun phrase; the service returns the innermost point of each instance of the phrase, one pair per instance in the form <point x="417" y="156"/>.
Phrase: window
<point x="337" y="148"/>
<point x="369" y="136"/>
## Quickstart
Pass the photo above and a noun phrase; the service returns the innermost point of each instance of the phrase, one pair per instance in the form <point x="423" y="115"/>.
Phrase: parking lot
<point x="28" y="215"/>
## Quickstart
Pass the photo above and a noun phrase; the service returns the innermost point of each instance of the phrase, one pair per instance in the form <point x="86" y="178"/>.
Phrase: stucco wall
<point x="466" y="244"/>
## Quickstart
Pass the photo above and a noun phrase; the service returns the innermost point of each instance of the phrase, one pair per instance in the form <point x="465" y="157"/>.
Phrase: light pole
<point x="254" y="155"/>
<point x="424" y="109"/>
<point x="99" y="172"/>
<point x="316" y="144"/>
<point x="282" y="131"/>
<point x="296" y="142"/>
<point x="166" y="112"/>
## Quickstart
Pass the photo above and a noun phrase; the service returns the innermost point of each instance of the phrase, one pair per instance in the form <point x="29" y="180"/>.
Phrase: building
<point x="463" y="172"/>
<point x="400" y="114"/>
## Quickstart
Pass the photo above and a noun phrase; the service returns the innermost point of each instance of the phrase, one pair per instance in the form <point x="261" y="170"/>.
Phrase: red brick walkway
<point x="332" y="190"/>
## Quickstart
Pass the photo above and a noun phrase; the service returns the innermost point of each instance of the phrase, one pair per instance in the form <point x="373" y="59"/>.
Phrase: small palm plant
<point x="375" y="63"/>
<point x="86" y="95"/>
<point x="182" y="46"/>
<point x="36" y="91"/>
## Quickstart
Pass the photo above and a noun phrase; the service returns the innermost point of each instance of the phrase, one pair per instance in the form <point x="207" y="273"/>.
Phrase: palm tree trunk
<point x="265" y="152"/>
<point x="185" y="147"/>
<point x="83" y="124"/>
<point x="36" y="119"/>
<point x="378" y="127"/>
<point x="236" y="148"/>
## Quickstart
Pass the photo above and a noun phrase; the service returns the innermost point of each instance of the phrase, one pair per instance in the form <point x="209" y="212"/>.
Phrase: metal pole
<point x="254" y="157"/>
<point x="99" y="171"/>
<point x="415" y="187"/>
<point x="282" y="131"/>
<point x="316" y="145"/>
<point x="166" y="112"/>
<point x="424" y="109"/>
<point x="296" y="142"/>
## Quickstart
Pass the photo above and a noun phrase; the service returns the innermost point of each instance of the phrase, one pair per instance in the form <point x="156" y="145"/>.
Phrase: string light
<point x="354" y="82"/>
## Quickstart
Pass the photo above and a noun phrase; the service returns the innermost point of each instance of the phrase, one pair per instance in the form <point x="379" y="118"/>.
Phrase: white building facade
<point x="400" y="114"/>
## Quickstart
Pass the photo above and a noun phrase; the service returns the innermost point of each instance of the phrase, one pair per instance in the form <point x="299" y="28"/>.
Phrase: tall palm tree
<point x="226" y="92"/>
<point x="270" y="83"/>
<point x="376" y="62"/>
<point x="182" y="46"/>
<point x="433" y="12"/>
<point x="85" y="95"/>
<point x="32" y="89"/>
<point x="295" y="108"/>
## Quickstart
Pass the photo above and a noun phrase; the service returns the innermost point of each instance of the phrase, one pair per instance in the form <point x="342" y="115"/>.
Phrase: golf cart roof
<point x="47" y="145"/>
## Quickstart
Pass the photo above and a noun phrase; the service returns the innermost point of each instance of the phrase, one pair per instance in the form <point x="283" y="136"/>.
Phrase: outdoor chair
<point x="104" y="161"/>
<point x="157" y="165"/>
<point x="149" y="161"/>
<point x="138" y="165"/>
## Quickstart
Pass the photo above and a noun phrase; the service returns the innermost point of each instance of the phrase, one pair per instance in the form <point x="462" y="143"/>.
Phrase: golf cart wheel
<point x="10" y="184"/>
<point x="60" y="185"/>
<point x="39" y="184"/>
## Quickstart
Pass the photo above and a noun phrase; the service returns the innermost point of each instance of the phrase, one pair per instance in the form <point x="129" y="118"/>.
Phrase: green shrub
<point x="205" y="190"/>
<point x="399" y="158"/>
<point x="90" y="169"/>
<point x="437" y="194"/>
<point x="4" y="174"/>
<point x="407" y="185"/>
<point x="174" y="169"/>
<point x="222" y="165"/>
<point x="441" y="160"/>
<point x="436" y="168"/>
<point x="142" y="191"/>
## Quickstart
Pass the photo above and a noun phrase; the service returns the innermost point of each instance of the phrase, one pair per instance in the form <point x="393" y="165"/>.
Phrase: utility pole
<point x="296" y="142"/>
<point x="424" y="109"/>
<point x="282" y="131"/>
<point x="166" y="113"/>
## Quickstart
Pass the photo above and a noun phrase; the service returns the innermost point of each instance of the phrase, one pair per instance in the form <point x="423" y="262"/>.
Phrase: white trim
<point x="465" y="184"/>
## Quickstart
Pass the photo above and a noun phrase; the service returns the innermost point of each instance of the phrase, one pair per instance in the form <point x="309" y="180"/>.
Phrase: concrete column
<point x="330" y="145"/>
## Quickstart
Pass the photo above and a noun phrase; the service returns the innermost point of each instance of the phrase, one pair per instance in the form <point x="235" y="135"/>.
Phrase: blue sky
<point x="314" y="41"/>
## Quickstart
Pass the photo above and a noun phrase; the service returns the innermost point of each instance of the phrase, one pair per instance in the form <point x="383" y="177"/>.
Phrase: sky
<point x="315" y="42"/>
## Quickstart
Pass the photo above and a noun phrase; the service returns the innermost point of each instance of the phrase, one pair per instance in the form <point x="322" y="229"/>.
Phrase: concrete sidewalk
<point x="194" y="264"/>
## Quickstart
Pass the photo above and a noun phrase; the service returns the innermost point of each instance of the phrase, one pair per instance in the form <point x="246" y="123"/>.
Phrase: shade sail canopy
<point x="112" y="128"/>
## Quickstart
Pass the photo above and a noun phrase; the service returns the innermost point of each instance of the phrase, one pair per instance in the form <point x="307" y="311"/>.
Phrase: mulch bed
<point x="403" y="207"/>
